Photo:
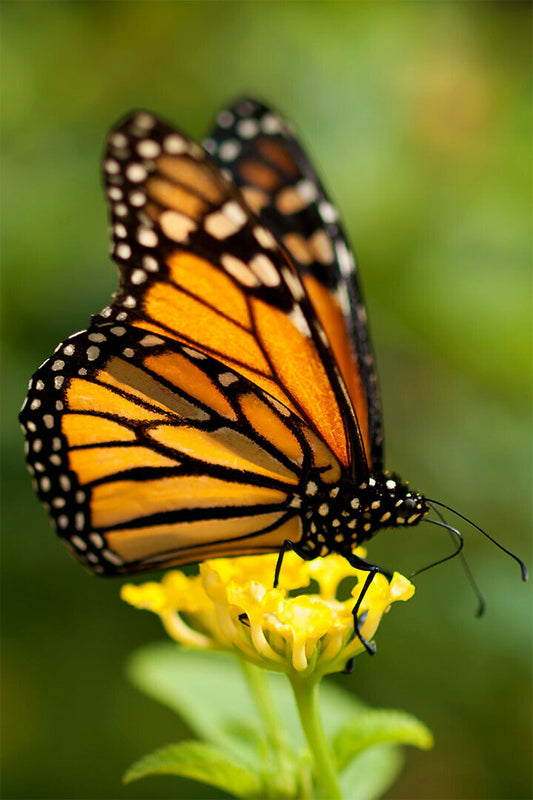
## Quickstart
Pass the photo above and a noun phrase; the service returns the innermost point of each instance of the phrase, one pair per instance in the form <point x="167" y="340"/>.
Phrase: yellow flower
<point x="231" y="605"/>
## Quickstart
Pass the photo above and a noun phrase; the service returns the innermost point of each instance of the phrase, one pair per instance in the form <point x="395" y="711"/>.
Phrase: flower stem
<point x="306" y="695"/>
<point x="261" y="693"/>
<point x="282" y="780"/>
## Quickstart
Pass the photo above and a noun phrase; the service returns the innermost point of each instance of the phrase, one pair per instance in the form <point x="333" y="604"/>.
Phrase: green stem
<point x="282" y="779"/>
<point x="262" y="695"/>
<point x="306" y="694"/>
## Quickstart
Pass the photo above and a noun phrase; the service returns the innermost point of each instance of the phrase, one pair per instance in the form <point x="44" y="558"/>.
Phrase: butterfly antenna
<point x="453" y="532"/>
<point x="469" y="574"/>
<point x="523" y="567"/>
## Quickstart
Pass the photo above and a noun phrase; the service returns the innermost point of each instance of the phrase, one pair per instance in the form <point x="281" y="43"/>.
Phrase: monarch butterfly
<point x="225" y="402"/>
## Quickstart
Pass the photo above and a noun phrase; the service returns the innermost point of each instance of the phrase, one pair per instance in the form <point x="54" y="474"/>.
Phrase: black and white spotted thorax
<point x="338" y="517"/>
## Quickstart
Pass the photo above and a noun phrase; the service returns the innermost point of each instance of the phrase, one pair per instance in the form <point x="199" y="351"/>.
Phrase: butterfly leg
<point x="372" y="569"/>
<point x="287" y="545"/>
<point x="348" y="669"/>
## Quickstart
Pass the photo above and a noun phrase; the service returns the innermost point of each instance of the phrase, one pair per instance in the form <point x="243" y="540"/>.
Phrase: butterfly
<point x="226" y="401"/>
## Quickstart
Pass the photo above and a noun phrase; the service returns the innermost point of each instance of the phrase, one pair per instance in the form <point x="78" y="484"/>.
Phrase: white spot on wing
<point x="144" y="120"/>
<point x="118" y="139"/>
<point x="238" y="270"/>
<point x="345" y="258"/>
<point x="147" y="237"/>
<point x="112" y="557"/>
<point x="151" y="341"/>
<point x="264" y="237"/>
<point x="123" y="250"/>
<point x="283" y="410"/>
<point x="136" y="173"/>
<point x="247" y="128"/>
<point x="226" y="222"/>
<point x="150" y="264"/>
<point x="175" y="144"/>
<point x="227" y="378"/>
<point x="229" y="150"/>
<point x="120" y="230"/>
<point x="78" y="542"/>
<point x="148" y="148"/>
<point x="194" y="354"/>
<point x="93" y="353"/>
<point x="111" y="166"/>
<point x="137" y="199"/>
<point x="307" y="190"/>
<point x="327" y="212"/>
<point x="270" y="124"/>
<point x="138" y="276"/>
<point x="265" y="270"/>
<point x="176" y="226"/>
<point x="225" y="119"/>
<point x="299" y="321"/>
<point x="295" y="287"/>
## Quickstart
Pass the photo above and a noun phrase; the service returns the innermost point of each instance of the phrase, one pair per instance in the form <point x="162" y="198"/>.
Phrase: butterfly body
<point x="341" y="517"/>
<point x="225" y="402"/>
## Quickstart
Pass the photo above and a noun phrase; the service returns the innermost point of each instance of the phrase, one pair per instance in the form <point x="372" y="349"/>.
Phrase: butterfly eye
<point x="409" y="505"/>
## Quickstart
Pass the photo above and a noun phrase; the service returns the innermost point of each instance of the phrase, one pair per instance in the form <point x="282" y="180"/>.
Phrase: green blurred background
<point x="417" y="115"/>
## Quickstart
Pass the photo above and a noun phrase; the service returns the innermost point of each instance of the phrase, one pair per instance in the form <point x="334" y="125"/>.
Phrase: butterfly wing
<point x="196" y="265"/>
<point x="258" y="149"/>
<point x="185" y="421"/>
<point x="148" y="453"/>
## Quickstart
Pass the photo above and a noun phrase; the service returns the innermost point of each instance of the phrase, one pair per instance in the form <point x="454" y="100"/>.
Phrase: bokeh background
<point x="417" y="115"/>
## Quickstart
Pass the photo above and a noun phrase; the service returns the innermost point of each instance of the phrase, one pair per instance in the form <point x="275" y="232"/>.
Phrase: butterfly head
<point x="385" y="501"/>
<point x="399" y="504"/>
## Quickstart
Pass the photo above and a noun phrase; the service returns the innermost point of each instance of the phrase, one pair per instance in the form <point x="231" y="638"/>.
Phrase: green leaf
<point x="370" y="775"/>
<point x="208" y="691"/>
<point x="200" y="762"/>
<point x="373" y="727"/>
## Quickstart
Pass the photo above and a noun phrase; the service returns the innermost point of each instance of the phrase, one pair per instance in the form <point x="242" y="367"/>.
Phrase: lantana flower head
<point x="232" y="605"/>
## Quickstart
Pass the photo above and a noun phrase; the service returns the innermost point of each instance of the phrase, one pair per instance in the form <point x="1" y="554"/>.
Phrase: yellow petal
<point x="183" y="592"/>
<point x="149" y="596"/>
<point x="401" y="588"/>
<point x="329" y="572"/>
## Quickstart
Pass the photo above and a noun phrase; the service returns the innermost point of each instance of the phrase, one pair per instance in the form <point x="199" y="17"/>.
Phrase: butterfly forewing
<point x="198" y="266"/>
<point x="260" y="152"/>
<point x="147" y="452"/>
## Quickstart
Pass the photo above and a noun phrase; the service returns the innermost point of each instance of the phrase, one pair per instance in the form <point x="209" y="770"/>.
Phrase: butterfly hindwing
<point x="148" y="453"/>
<point x="257" y="147"/>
